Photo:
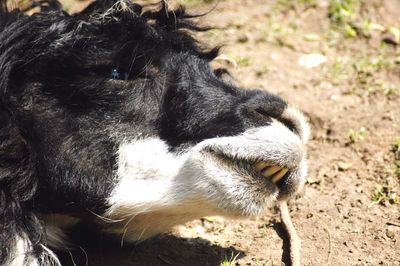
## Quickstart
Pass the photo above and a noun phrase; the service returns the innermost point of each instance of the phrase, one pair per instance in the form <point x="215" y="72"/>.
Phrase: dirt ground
<point x="349" y="212"/>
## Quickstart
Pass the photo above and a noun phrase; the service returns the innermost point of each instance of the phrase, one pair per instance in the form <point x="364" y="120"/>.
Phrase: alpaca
<point x="114" y="117"/>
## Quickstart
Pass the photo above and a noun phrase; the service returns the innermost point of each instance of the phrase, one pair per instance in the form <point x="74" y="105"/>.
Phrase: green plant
<point x="242" y="60"/>
<point x="295" y="4"/>
<point x="369" y="65"/>
<point x="230" y="261"/>
<point x="397" y="168"/>
<point x="343" y="15"/>
<point x="342" y="11"/>
<point x="364" y="73"/>
<point x="384" y="195"/>
<point x="355" y="135"/>
<point x="396" y="148"/>
<point x="390" y="89"/>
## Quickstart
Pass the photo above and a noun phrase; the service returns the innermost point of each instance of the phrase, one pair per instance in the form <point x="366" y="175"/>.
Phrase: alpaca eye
<point x="115" y="74"/>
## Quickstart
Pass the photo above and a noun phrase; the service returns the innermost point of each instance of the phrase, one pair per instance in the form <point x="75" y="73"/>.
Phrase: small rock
<point x="343" y="166"/>
<point x="334" y="97"/>
<point x="325" y="85"/>
<point x="243" y="38"/>
<point x="311" y="37"/>
<point x="390" y="233"/>
<point x="388" y="38"/>
<point x="312" y="181"/>
<point x="391" y="36"/>
<point x="312" y="60"/>
<point x="376" y="27"/>
<point x="199" y="229"/>
<point x="394" y="198"/>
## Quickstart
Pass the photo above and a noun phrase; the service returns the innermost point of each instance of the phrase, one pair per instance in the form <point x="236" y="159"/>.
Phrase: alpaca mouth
<point x="262" y="162"/>
<point x="271" y="171"/>
<point x="259" y="169"/>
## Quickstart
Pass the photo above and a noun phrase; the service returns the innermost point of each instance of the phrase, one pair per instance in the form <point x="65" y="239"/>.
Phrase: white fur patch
<point x="151" y="186"/>
<point x="20" y="256"/>
<point x="152" y="167"/>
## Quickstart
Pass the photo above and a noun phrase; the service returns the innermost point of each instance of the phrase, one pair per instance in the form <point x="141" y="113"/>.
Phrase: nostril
<point x="290" y="125"/>
<point x="266" y="115"/>
<point x="295" y="121"/>
<point x="271" y="109"/>
<point x="261" y="111"/>
<point x="255" y="116"/>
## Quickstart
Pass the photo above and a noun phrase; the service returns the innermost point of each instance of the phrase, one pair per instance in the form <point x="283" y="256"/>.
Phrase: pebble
<point x="390" y="233"/>
<point x="343" y="166"/>
<point x="392" y="36"/>
<point x="312" y="60"/>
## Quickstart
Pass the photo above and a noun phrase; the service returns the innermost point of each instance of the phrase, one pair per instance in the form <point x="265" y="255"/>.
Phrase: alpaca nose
<point x="264" y="107"/>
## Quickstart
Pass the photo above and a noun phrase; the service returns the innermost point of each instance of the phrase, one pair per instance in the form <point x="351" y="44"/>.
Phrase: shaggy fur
<point x="113" y="116"/>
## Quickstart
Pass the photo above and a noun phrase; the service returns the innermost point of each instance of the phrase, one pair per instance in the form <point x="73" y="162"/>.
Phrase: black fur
<point x="72" y="86"/>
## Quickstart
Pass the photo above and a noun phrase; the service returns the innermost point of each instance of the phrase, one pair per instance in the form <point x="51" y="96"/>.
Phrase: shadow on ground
<point x="278" y="227"/>
<point x="100" y="250"/>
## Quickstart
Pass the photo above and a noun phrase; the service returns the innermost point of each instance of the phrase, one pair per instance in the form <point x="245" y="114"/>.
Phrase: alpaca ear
<point x="224" y="74"/>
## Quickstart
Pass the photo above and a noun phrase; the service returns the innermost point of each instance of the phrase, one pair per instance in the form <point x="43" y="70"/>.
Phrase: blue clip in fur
<point x="114" y="74"/>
